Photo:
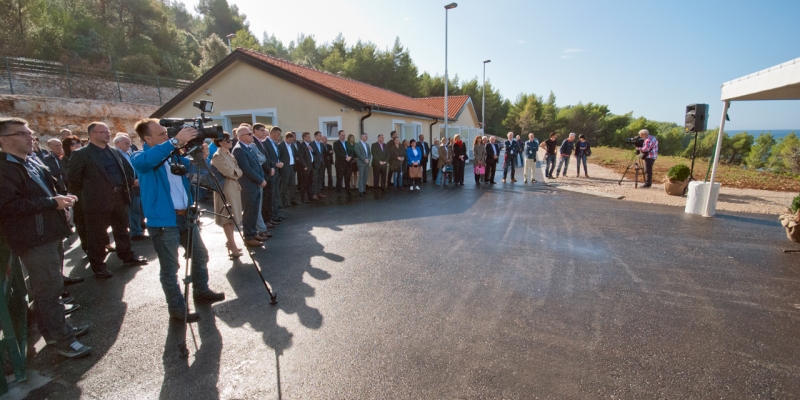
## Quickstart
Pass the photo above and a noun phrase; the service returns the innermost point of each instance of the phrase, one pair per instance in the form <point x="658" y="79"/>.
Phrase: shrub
<point x="678" y="173"/>
<point x="796" y="204"/>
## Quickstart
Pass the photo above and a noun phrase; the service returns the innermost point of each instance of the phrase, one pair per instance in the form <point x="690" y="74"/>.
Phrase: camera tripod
<point x="634" y="162"/>
<point x="193" y="214"/>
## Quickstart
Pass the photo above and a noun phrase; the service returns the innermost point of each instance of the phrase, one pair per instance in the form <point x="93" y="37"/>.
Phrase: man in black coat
<point x="33" y="222"/>
<point x="426" y="153"/>
<point x="53" y="162"/>
<point x="310" y="163"/>
<point x="343" y="158"/>
<point x="260" y="132"/>
<point x="492" y="156"/>
<point x="291" y="162"/>
<point x="274" y="154"/>
<point x="327" y="161"/>
<point x="319" y="149"/>
<point x="102" y="181"/>
<point x="512" y="149"/>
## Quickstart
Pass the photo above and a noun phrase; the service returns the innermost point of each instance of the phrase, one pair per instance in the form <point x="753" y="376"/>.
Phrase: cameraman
<point x="166" y="198"/>
<point x="649" y="151"/>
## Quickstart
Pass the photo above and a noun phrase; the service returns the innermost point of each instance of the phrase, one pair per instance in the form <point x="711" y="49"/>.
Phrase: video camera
<point x="635" y="141"/>
<point x="174" y="125"/>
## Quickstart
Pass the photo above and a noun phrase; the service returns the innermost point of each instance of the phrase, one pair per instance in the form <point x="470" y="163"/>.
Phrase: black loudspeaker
<point x="696" y="117"/>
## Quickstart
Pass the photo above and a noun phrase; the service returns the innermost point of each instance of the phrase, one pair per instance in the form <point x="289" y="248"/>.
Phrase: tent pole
<point x="707" y="208"/>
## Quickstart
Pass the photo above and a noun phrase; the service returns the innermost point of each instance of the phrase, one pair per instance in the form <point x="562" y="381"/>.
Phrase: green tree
<point x="738" y="148"/>
<point x="221" y="18"/>
<point x="786" y="155"/>
<point x="245" y="40"/>
<point x="212" y="51"/>
<point x="761" y="151"/>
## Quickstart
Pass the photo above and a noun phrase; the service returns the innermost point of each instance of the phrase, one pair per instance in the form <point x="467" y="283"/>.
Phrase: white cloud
<point x="571" y="52"/>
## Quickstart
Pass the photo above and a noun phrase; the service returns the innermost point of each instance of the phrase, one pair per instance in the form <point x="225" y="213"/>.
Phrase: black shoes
<point x="138" y="238"/>
<point x="208" y="297"/>
<point x="74" y="350"/>
<point x="103" y="274"/>
<point x="191" y="317"/>
<point x="139" y="260"/>
<point x="647" y="185"/>
<point x="69" y="281"/>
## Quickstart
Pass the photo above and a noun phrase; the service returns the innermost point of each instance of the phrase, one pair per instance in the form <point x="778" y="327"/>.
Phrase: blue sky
<point x="649" y="57"/>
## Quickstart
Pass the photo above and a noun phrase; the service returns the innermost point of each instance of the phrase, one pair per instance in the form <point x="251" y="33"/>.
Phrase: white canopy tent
<point x="781" y="82"/>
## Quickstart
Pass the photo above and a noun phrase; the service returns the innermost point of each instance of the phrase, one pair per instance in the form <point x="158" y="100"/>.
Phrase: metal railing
<point x="16" y="67"/>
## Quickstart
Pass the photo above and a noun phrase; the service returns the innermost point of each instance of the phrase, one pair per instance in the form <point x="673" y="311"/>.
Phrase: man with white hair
<point x="650" y="152"/>
<point x="122" y="142"/>
<point x="65" y="133"/>
<point x="566" y="150"/>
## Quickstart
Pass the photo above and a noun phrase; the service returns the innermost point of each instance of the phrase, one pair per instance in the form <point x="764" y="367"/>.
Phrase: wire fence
<point x="56" y="79"/>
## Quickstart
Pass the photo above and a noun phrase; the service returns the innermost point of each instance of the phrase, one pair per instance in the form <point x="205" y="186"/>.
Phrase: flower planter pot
<point x="675" y="188"/>
<point x="791" y="222"/>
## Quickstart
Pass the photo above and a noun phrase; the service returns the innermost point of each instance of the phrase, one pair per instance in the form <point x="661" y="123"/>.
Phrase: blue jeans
<point x="565" y="162"/>
<point x="520" y="161"/>
<point x="578" y="160"/>
<point x="166" y="241"/>
<point x="510" y="164"/>
<point x="397" y="178"/>
<point x="550" y="165"/>
<point x="135" y="215"/>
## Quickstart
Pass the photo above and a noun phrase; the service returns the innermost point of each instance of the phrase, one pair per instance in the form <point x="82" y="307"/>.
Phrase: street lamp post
<point x="483" y="101"/>
<point x="446" y="78"/>
<point x="230" y="36"/>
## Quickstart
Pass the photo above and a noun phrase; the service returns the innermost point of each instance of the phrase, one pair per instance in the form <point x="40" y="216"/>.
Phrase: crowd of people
<point x="86" y="186"/>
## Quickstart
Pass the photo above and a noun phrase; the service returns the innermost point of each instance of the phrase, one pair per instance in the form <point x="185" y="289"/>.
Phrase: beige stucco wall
<point x="243" y="87"/>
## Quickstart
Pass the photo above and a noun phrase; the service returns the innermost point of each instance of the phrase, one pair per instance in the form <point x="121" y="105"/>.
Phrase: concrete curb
<point x="584" y="191"/>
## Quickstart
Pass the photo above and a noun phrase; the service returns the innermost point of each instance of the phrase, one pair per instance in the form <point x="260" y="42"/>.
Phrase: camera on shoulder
<point x="174" y="125"/>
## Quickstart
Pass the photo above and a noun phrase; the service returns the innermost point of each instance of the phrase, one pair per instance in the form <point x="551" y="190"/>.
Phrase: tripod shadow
<point x="198" y="380"/>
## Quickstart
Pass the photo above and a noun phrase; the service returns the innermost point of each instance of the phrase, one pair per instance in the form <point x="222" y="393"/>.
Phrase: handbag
<point x="415" y="172"/>
<point x="479" y="170"/>
<point x="448" y="168"/>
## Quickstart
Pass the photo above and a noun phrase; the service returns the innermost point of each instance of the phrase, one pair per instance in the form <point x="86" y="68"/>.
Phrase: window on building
<point x="330" y="126"/>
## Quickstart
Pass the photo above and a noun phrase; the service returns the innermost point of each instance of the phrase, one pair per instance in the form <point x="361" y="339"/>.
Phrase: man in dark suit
<point x="274" y="154"/>
<point x="510" y="162"/>
<point x="380" y="163"/>
<point x="123" y="145"/>
<point x="342" y="164"/>
<point x="53" y="162"/>
<point x="306" y="174"/>
<point x="327" y="162"/>
<point x="260" y="132"/>
<point x="319" y="149"/>
<point x="291" y="161"/>
<point x="252" y="181"/>
<point x="492" y="155"/>
<point x="102" y="181"/>
<point x="426" y="153"/>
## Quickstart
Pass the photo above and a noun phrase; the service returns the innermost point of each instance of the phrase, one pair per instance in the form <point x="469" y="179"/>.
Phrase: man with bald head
<point x="102" y="180"/>
<point x="124" y="146"/>
<point x="53" y="161"/>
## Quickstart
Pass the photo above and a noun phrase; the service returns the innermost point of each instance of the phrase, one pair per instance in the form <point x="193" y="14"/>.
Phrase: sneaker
<point x="504" y="180"/>
<point x="417" y="187"/>
<point x="76" y="331"/>
<point x="525" y="181"/>
<point x="412" y="188"/>
<point x="208" y="297"/>
<point x="75" y="350"/>
<point x="67" y="299"/>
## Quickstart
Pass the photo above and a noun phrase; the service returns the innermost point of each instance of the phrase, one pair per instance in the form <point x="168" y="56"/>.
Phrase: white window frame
<point x="262" y="112"/>
<point x="325" y="120"/>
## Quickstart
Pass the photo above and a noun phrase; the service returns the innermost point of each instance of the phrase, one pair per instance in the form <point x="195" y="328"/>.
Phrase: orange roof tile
<point x="454" y="104"/>
<point x="367" y="94"/>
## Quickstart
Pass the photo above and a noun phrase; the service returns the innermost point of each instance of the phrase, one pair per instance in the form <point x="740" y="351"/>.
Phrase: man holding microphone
<point x="166" y="198"/>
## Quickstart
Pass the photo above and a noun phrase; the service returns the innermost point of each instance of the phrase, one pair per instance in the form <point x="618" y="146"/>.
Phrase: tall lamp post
<point x="483" y="101"/>
<point x="446" y="78"/>
<point x="230" y="36"/>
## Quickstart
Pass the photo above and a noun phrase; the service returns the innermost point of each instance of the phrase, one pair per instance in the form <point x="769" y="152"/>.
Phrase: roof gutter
<point x="430" y="130"/>
<point x="369" y="114"/>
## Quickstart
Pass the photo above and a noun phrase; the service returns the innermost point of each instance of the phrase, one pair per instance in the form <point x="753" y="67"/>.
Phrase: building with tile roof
<point x="247" y="86"/>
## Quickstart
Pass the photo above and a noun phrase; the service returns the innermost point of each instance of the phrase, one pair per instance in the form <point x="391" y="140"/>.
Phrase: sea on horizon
<point x="776" y="133"/>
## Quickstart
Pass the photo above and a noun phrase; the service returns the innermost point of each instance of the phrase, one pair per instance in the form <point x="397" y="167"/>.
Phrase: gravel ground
<point x="730" y="199"/>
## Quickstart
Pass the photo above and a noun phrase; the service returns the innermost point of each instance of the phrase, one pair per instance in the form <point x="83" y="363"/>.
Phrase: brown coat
<point x="445" y="156"/>
<point x="229" y="168"/>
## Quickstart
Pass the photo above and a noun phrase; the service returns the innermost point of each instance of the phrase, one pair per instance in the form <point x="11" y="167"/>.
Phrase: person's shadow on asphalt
<point x="198" y="380"/>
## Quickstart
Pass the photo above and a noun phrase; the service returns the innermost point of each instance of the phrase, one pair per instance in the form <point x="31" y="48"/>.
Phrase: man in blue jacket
<point x="166" y="198"/>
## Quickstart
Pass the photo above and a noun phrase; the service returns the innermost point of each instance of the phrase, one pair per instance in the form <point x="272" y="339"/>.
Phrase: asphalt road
<point x="513" y="291"/>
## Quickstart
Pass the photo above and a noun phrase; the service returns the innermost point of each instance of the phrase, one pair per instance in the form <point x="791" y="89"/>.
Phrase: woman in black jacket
<point x="459" y="159"/>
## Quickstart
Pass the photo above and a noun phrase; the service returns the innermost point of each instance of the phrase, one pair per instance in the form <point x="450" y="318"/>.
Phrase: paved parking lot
<point x="513" y="291"/>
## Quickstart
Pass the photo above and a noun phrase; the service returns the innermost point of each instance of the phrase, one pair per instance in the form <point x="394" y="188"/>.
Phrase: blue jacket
<point x="411" y="158"/>
<point x="154" y="184"/>
<point x="531" y="147"/>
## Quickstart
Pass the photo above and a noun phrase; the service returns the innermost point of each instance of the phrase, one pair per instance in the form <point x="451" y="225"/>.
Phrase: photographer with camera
<point x="166" y="198"/>
<point x="649" y="152"/>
